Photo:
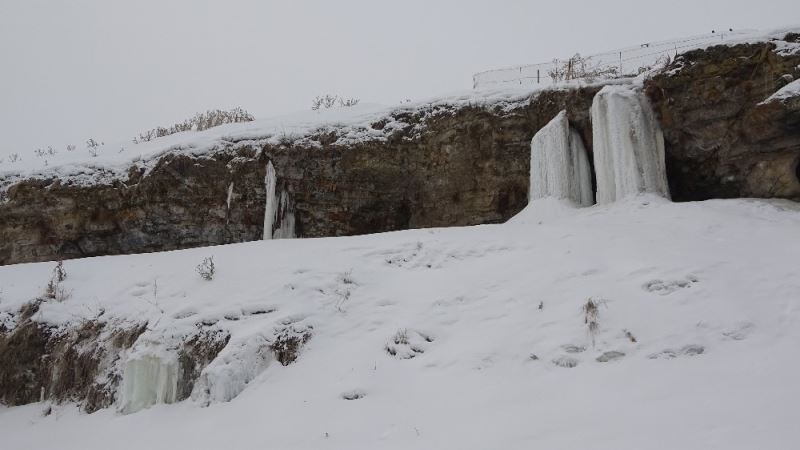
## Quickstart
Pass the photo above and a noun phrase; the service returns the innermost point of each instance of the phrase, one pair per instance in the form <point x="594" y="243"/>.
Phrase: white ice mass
<point x="628" y="145"/>
<point x="278" y="210"/>
<point x="271" y="209"/>
<point x="559" y="165"/>
<point x="150" y="377"/>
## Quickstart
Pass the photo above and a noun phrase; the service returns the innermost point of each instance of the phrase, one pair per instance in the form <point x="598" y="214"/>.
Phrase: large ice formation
<point x="270" y="211"/>
<point x="559" y="165"/>
<point x="149" y="377"/>
<point x="278" y="210"/>
<point x="628" y="145"/>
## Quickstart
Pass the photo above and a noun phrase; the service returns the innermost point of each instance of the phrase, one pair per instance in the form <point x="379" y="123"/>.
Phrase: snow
<point x="352" y="125"/>
<point x="708" y="290"/>
<point x="559" y="165"/>
<point x="790" y="90"/>
<point x="628" y="145"/>
<point x="646" y="57"/>
<point x="271" y="208"/>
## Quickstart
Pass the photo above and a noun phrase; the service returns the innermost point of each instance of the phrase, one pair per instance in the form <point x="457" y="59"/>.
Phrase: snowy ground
<point x="708" y="290"/>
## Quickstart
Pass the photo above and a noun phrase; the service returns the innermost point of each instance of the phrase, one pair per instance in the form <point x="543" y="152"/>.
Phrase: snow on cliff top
<point x="352" y="124"/>
<point x="708" y="290"/>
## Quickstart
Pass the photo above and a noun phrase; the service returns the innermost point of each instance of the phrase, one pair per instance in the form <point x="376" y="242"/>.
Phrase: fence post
<point x="620" y="63"/>
<point x="537" y="76"/>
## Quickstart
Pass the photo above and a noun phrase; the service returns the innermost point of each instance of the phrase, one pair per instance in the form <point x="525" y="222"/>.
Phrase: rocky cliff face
<point x="449" y="166"/>
<point x="722" y="139"/>
<point x="468" y="165"/>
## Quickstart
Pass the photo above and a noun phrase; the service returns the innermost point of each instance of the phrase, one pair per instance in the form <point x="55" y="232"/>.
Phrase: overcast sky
<point x="70" y="70"/>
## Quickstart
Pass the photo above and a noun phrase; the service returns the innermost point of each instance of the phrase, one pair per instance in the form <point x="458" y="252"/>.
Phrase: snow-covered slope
<point x="466" y="338"/>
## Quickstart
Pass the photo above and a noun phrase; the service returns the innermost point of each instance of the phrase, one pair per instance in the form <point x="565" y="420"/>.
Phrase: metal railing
<point x="615" y="63"/>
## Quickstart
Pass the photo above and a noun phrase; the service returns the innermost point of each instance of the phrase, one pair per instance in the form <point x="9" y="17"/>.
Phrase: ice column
<point x="148" y="379"/>
<point x="559" y="165"/>
<point x="271" y="210"/>
<point x="628" y="145"/>
<point x="285" y="228"/>
<point x="279" y="211"/>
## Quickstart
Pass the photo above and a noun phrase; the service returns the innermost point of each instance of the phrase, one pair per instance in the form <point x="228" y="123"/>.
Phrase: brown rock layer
<point x="721" y="141"/>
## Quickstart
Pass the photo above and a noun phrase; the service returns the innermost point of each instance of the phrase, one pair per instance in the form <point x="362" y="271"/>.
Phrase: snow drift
<point x="467" y="338"/>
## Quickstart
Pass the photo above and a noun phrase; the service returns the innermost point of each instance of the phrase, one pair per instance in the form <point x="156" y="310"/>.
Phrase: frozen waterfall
<point x="278" y="210"/>
<point x="628" y="145"/>
<point x="270" y="211"/>
<point x="148" y="379"/>
<point x="559" y="165"/>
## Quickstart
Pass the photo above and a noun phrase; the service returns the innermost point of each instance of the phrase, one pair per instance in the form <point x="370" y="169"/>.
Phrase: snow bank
<point x="696" y="332"/>
<point x="628" y="145"/>
<point x="559" y="165"/>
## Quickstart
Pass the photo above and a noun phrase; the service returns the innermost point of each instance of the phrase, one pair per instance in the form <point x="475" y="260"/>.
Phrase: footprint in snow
<point x="355" y="394"/>
<point x="687" y="350"/>
<point x="566" y="362"/>
<point x="610" y="356"/>
<point x="662" y="287"/>
<point x="739" y="332"/>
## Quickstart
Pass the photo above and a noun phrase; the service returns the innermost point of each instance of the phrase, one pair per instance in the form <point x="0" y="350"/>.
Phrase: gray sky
<point x="108" y="69"/>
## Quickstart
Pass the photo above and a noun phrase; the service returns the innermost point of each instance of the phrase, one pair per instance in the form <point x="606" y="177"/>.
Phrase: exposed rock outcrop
<point x="85" y="361"/>
<point x="449" y="166"/>
<point x="468" y="165"/>
<point x="722" y="139"/>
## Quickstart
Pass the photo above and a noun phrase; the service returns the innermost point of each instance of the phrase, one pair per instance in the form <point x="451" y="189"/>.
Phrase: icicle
<point x="271" y="210"/>
<point x="230" y="194"/>
<point x="559" y="165"/>
<point x="285" y="228"/>
<point x="628" y="145"/>
<point x="149" y="379"/>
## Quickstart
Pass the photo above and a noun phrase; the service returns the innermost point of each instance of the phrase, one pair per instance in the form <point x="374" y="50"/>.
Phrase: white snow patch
<point x="492" y="297"/>
<point x="234" y="368"/>
<point x="790" y="90"/>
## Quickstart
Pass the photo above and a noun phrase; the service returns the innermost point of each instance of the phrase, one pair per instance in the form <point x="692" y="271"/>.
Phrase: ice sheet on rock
<point x="271" y="208"/>
<point x="279" y="211"/>
<point x="628" y="145"/>
<point x="233" y="369"/>
<point x="559" y="165"/>
<point x="285" y="216"/>
<point x="150" y="377"/>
